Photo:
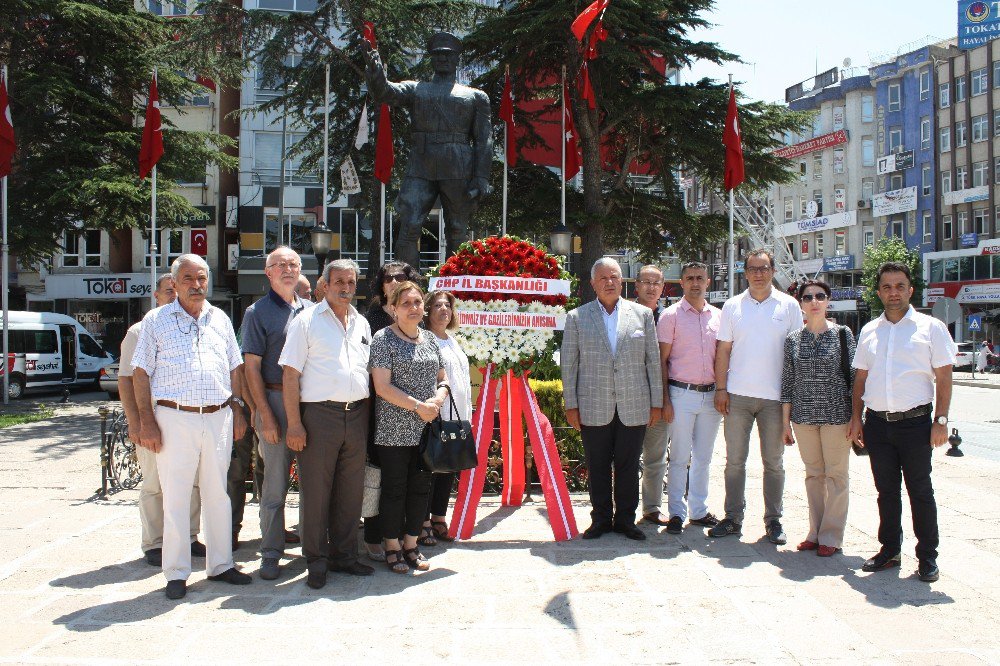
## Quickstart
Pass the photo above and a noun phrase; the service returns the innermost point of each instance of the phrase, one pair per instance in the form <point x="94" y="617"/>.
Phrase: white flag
<point x="362" y="137"/>
<point x="350" y="184"/>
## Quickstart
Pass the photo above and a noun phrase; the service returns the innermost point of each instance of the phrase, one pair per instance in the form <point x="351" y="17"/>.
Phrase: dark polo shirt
<point x="264" y="326"/>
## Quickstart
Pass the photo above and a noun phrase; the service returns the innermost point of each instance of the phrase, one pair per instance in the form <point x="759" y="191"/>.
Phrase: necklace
<point x="411" y="338"/>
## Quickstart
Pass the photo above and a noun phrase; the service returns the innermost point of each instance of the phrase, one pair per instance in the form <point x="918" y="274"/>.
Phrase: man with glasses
<point x="648" y="290"/>
<point x="264" y="326"/>
<point x="748" y="361"/>
<point x="613" y="391"/>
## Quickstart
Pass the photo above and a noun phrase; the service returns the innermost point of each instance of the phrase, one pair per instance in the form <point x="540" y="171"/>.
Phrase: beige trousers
<point x="151" y="502"/>
<point x="826" y="453"/>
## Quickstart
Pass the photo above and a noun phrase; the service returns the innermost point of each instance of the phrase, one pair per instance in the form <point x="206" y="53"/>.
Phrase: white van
<point x="51" y="349"/>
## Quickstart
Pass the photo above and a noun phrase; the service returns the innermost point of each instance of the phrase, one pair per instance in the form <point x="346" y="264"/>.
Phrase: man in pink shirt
<point x="686" y="332"/>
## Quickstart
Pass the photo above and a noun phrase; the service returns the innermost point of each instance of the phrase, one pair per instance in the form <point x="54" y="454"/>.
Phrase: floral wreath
<point x="505" y="256"/>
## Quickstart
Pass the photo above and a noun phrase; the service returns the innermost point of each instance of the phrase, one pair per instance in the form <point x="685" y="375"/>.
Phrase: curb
<point x="966" y="382"/>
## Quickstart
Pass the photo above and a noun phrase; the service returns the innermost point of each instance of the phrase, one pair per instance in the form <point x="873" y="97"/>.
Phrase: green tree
<point x="79" y="76"/>
<point x="890" y="249"/>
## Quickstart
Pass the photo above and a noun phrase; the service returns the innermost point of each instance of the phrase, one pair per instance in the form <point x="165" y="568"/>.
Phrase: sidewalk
<point x="983" y="380"/>
<point x="74" y="589"/>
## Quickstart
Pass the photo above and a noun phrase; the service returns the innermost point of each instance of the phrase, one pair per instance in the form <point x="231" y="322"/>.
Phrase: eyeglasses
<point x="808" y="298"/>
<point x="650" y="283"/>
<point x="758" y="270"/>
<point x="286" y="265"/>
<point x="396" y="277"/>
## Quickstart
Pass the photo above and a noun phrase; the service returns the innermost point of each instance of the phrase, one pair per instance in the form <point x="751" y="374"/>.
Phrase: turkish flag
<point x="199" y="242"/>
<point x="152" y="134"/>
<point x="572" y="165"/>
<point x="384" y="155"/>
<point x="586" y="88"/>
<point x="582" y="22"/>
<point x="507" y="115"/>
<point x="8" y="144"/>
<point x="368" y="34"/>
<point x="731" y="139"/>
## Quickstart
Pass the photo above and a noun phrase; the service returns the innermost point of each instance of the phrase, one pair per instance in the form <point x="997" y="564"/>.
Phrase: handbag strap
<point x="845" y="364"/>
<point x="454" y="406"/>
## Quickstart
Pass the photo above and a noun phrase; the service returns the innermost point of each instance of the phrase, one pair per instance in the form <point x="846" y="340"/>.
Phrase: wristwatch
<point x="238" y="401"/>
<point x="941" y="420"/>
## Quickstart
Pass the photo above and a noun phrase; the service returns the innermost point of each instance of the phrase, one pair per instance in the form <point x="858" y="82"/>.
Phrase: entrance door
<point x="67" y="343"/>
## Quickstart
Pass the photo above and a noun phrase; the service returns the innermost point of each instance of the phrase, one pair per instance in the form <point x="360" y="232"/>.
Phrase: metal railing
<point x="755" y="218"/>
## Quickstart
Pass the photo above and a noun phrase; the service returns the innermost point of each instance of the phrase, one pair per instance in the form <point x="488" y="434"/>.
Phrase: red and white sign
<point x="502" y="285"/>
<point x="989" y="246"/>
<point x="965" y="292"/>
<point x="199" y="242"/>
<point x="813" y="145"/>
<point x="518" y="320"/>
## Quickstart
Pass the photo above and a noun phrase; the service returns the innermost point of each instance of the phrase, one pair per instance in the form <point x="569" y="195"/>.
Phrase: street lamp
<point x="322" y="239"/>
<point x="561" y="240"/>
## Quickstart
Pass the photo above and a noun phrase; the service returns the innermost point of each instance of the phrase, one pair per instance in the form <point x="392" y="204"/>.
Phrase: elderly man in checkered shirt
<point x="187" y="363"/>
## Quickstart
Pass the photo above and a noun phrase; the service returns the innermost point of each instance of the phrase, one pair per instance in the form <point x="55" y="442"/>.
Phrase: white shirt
<point x="611" y="325"/>
<point x="900" y="359"/>
<point x="333" y="360"/>
<point x="456" y="366"/>
<point x="758" y="332"/>
<point x="128" y="349"/>
<point x="188" y="360"/>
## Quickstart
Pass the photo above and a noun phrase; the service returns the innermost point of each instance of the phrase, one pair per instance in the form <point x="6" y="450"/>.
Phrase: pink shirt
<point x="691" y="335"/>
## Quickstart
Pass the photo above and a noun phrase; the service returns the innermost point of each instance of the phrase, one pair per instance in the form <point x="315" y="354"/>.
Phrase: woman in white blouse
<point x="439" y="318"/>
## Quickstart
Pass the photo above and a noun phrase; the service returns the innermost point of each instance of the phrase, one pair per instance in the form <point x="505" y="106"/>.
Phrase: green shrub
<point x="550" y="401"/>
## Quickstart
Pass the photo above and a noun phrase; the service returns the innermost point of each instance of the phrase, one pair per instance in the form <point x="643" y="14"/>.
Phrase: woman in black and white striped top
<point x="816" y="403"/>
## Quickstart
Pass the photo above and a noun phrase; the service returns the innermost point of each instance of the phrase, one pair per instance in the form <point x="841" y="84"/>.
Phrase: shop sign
<point x="202" y="216"/>
<point x="813" y="145"/>
<point x="969" y="240"/>
<point x="978" y="293"/>
<point x="894" y="201"/>
<point x="839" y="263"/>
<point x="847" y="293"/>
<point x="989" y="246"/>
<point x="113" y="286"/>
<point x="835" y="221"/>
<point x="968" y="195"/>
<point x="809" y="266"/>
<point x="894" y="162"/>
<point x="978" y="23"/>
<point x="717" y="296"/>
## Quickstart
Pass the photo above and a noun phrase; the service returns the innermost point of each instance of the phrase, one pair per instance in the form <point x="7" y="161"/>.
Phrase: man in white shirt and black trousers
<point x="901" y="357"/>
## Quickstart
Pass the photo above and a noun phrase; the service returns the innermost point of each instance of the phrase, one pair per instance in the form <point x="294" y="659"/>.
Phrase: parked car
<point x="963" y="359"/>
<point x="109" y="380"/>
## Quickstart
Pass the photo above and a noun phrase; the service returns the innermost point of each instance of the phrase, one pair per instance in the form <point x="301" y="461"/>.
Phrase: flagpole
<point x="3" y="266"/>
<point x="562" y="196"/>
<point x="503" y="216"/>
<point x="153" y="249"/>
<point x="732" y="240"/>
<point x="381" y="232"/>
<point x="326" y="148"/>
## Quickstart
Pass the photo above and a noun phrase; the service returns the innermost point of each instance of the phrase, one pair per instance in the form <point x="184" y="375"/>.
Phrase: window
<point x="980" y="128"/>
<point x="34" y="342"/>
<point x="817" y="166"/>
<point x="925" y="83"/>
<point x="170" y="245"/>
<point x="819" y="245"/>
<point x="896" y="228"/>
<point x="789" y="215"/>
<point x="925" y="179"/>
<point x="963" y="222"/>
<point x="946" y="226"/>
<point x="82" y="248"/>
<point x="951" y="270"/>
<point x="894" y="97"/>
<point x="192" y="174"/>
<point x="944" y="95"/>
<point x="896" y="181"/>
<point x="960" y="89"/>
<point x="838" y="160"/>
<point x="817" y="125"/>
<point x="925" y="134"/>
<point x="961" y="177"/>
<point x="838" y="118"/>
<point x="895" y="140"/>
<point x="803" y="201"/>
<point x="156" y="7"/>
<point x="90" y="347"/>
<point x="867" y="151"/>
<point x="980" y="173"/>
<point x="979" y="82"/>
<point x="996" y="170"/>
<point x="294" y="232"/>
<point x="946" y="181"/>
<point x="840" y="242"/>
<point x="289" y="5"/>
<point x="980" y="220"/>
<point x="867" y="189"/>
<point x="961" y="134"/>
<point x="996" y="74"/>
<point x="927" y="227"/>
<point x="818" y="198"/>
<point x="270" y="86"/>
<point x="944" y="139"/>
<point x="267" y="159"/>
<point x="867" y="108"/>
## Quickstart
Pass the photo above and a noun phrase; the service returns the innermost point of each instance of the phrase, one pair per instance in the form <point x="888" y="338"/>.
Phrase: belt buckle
<point x="893" y="416"/>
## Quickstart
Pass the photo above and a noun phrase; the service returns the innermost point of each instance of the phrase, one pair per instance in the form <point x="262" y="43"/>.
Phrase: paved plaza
<point x="74" y="588"/>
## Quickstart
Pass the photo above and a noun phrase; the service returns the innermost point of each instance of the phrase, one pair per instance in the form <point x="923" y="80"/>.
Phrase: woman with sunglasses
<point x="379" y="316"/>
<point x="816" y="404"/>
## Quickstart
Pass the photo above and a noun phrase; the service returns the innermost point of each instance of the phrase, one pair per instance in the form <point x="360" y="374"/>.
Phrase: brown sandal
<point x="396" y="562"/>
<point x="415" y="559"/>
<point x="441" y="530"/>
<point x="427" y="536"/>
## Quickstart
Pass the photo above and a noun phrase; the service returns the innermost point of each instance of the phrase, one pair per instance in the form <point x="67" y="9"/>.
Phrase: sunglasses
<point x="808" y="298"/>
<point x="398" y="277"/>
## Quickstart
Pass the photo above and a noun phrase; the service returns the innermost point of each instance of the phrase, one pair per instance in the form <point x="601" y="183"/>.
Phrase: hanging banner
<point x="518" y="320"/>
<point x="835" y="221"/>
<point x="502" y="285"/>
<point x="813" y="145"/>
<point x="894" y="201"/>
<point x="349" y="181"/>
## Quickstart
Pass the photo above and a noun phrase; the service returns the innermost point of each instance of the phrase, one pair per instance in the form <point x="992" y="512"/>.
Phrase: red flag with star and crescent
<point x="572" y="166"/>
<point x="731" y="139"/>
<point x="152" y="134"/>
<point x="8" y="143"/>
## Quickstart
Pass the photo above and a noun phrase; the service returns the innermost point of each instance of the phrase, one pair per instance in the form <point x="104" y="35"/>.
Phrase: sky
<point x="782" y="41"/>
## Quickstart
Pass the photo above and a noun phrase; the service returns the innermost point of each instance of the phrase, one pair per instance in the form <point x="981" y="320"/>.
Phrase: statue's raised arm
<point x="382" y="90"/>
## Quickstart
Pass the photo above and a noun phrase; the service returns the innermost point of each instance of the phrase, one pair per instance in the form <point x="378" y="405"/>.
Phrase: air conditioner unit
<point x="864" y="203"/>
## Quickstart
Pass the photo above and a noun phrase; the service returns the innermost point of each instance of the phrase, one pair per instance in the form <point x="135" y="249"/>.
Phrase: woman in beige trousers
<point x="816" y="403"/>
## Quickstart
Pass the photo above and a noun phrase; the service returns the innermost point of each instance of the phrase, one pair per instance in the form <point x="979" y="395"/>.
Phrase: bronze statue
<point x="452" y="145"/>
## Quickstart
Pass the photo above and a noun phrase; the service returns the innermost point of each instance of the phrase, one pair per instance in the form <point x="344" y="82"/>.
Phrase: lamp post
<point x="322" y="239"/>
<point x="561" y="241"/>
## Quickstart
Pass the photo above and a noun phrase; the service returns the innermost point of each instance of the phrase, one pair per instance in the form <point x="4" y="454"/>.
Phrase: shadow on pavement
<point x="894" y="589"/>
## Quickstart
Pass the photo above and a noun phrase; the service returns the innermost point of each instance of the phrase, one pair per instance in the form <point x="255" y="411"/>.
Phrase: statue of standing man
<point x="452" y="145"/>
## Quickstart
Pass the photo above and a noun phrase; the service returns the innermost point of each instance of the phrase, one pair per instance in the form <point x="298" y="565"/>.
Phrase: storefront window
<point x="951" y="270"/>
<point x="965" y="271"/>
<point x="996" y="264"/>
<point x="982" y="266"/>
<point x="937" y="270"/>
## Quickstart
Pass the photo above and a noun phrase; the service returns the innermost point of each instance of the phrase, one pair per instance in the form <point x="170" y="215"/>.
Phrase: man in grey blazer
<point x="613" y="389"/>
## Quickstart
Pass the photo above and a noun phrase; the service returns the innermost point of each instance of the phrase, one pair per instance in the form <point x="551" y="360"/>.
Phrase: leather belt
<point x="346" y="406"/>
<point x="210" y="409"/>
<point x="700" y="388"/>
<point x="273" y="387"/>
<point x="922" y="410"/>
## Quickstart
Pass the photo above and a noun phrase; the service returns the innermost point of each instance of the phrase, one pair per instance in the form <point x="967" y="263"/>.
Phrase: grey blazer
<point x="597" y="383"/>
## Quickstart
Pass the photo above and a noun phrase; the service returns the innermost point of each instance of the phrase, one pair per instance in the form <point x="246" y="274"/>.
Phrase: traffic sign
<point x="976" y="322"/>
<point x="947" y="310"/>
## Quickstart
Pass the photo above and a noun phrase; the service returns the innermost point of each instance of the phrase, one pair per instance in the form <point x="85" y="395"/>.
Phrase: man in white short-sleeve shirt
<point x="901" y="358"/>
<point x="748" y="361"/>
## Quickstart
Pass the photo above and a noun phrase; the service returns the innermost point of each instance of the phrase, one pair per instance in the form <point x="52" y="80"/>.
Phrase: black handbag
<point x="448" y="445"/>
<point x="845" y="367"/>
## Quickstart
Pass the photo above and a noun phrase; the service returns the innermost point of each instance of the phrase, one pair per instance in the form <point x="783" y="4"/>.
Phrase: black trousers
<point x="900" y="451"/>
<point x="441" y="485"/>
<point x="237" y="477"/>
<point x="617" y="447"/>
<point x="405" y="489"/>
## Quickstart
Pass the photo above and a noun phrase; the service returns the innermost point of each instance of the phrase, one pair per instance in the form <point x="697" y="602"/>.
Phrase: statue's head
<point x="445" y="50"/>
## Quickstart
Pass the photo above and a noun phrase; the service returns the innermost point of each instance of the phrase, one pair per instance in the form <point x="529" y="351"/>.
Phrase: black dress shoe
<point x="881" y="561"/>
<point x="675" y="525"/>
<point x="354" y="568"/>
<point x="197" y="548"/>
<point x="595" y="531"/>
<point x="233" y="576"/>
<point x="631" y="532"/>
<point x="316" y="579"/>
<point x="928" y="570"/>
<point x="154" y="557"/>
<point x="176" y="589"/>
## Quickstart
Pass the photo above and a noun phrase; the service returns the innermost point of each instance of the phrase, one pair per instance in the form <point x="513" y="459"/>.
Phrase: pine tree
<point x="79" y="75"/>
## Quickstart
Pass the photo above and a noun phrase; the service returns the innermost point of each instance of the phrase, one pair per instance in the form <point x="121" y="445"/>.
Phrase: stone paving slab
<point x="74" y="588"/>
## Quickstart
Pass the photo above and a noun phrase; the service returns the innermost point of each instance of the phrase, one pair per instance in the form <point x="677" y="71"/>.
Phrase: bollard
<point x="955" y="440"/>
<point x="105" y="454"/>
<point x="529" y="459"/>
